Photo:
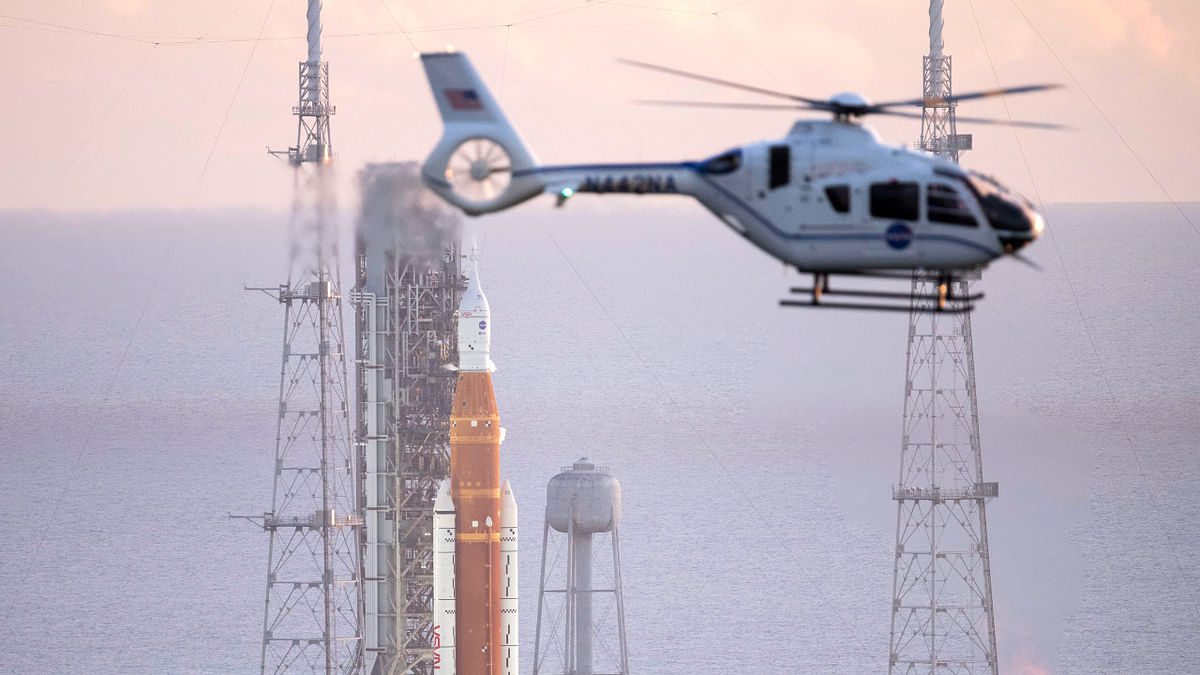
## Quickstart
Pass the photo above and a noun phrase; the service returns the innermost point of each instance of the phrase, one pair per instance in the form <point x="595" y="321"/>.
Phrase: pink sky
<point x="97" y="122"/>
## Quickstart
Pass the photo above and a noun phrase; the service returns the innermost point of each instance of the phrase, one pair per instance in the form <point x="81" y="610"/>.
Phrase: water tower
<point x="583" y="502"/>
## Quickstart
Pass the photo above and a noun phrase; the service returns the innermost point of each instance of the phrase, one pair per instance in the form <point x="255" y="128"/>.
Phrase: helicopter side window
<point x="895" y="201"/>
<point x="839" y="197"/>
<point x="781" y="166"/>
<point x="946" y="206"/>
<point x="724" y="163"/>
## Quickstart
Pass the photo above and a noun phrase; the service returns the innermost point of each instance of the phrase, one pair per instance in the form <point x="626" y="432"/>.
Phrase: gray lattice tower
<point x="313" y="140"/>
<point x="938" y="132"/>
<point x="942" y="619"/>
<point x="583" y="502"/>
<point x="311" y="619"/>
<point x="409" y="286"/>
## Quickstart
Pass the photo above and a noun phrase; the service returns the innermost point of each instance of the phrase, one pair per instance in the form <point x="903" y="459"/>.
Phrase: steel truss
<point x="314" y="603"/>
<point x="942" y="619"/>
<point x="312" y="598"/>
<point x="942" y="597"/>
<point x="407" y="335"/>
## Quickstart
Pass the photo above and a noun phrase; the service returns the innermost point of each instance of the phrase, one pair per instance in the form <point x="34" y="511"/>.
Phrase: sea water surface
<point x="756" y="446"/>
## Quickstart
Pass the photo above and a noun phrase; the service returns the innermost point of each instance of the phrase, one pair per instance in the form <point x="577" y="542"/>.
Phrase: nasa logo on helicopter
<point x="827" y="199"/>
<point x="899" y="236"/>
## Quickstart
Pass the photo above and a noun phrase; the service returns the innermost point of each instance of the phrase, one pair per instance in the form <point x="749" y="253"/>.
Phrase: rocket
<point x="475" y="580"/>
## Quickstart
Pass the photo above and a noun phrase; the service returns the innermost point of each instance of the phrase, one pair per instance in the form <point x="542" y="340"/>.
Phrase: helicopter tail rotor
<point x="480" y="164"/>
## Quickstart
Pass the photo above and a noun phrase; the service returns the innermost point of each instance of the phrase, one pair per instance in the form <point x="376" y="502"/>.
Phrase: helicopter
<point x="829" y="198"/>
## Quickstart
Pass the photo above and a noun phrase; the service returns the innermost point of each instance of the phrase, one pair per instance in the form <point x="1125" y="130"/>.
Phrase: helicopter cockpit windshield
<point x="1013" y="216"/>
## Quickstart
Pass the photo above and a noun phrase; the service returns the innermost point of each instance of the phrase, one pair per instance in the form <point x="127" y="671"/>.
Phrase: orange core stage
<point x="475" y="489"/>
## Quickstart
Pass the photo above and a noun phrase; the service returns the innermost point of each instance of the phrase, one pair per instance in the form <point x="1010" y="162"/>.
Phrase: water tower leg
<point x="537" y="636"/>
<point x="624" y="656"/>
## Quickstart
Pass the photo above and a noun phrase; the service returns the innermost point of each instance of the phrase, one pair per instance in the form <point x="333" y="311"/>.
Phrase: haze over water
<point x="756" y="446"/>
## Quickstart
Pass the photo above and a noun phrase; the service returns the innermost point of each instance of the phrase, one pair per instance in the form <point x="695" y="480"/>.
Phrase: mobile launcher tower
<point x="408" y="288"/>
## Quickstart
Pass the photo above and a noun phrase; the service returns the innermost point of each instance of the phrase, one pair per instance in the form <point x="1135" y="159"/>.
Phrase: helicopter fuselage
<point x="828" y="197"/>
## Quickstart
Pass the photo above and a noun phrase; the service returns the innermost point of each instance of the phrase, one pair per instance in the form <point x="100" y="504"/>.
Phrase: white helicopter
<point x="828" y="198"/>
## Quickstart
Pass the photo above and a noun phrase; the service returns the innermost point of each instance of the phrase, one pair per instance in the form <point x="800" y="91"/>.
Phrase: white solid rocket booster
<point x="508" y="592"/>
<point x="443" y="581"/>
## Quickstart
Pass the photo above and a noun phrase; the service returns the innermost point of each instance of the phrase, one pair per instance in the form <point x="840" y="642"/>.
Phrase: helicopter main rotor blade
<point x="1027" y="261"/>
<point x="890" y="113"/>
<point x="1023" y="89"/>
<point x="813" y="102"/>
<point x="842" y="110"/>
<point x="719" y="104"/>
<point x="979" y="120"/>
<point x="1011" y="123"/>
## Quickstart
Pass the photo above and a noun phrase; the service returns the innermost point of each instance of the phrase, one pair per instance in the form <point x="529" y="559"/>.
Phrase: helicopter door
<point x="773" y="185"/>
<point x="894" y="200"/>
<point x="789" y="184"/>
<point x="896" y="210"/>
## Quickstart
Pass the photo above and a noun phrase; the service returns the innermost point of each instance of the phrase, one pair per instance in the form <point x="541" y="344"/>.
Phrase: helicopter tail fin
<point x="480" y="164"/>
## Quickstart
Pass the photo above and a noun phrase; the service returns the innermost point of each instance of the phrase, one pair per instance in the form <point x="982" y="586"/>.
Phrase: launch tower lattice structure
<point x="311" y="618"/>
<point x="942" y="620"/>
<point x="407" y="335"/>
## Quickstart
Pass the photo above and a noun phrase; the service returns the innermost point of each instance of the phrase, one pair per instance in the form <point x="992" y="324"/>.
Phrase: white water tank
<point x="588" y="493"/>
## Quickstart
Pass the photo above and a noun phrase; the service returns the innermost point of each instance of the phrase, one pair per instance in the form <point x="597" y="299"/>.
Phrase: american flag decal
<point x="463" y="99"/>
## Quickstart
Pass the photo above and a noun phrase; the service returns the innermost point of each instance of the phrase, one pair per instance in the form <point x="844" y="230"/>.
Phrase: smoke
<point x="400" y="217"/>
<point x="313" y="231"/>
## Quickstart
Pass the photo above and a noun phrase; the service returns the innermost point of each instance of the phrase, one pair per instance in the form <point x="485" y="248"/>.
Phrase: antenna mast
<point x="939" y="134"/>
<point x="942" y="620"/>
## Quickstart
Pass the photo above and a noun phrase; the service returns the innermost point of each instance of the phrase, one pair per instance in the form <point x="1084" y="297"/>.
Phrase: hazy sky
<point x="115" y="121"/>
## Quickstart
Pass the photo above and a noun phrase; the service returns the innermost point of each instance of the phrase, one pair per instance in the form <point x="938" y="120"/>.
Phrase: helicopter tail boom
<point x="480" y="164"/>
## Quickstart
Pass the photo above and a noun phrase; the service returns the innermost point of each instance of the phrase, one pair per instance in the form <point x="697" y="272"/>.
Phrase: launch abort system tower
<point x="942" y="619"/>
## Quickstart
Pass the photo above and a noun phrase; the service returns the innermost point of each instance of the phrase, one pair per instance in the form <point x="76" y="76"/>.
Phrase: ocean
<point x="756" y="446"/>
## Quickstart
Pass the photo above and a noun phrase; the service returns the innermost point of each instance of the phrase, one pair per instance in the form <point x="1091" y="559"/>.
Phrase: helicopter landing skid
<point x="943" y="301"/>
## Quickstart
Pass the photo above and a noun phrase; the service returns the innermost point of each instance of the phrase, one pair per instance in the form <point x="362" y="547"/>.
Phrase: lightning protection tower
<point x="311" y="619"/>
<point x="942" y="619"/>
